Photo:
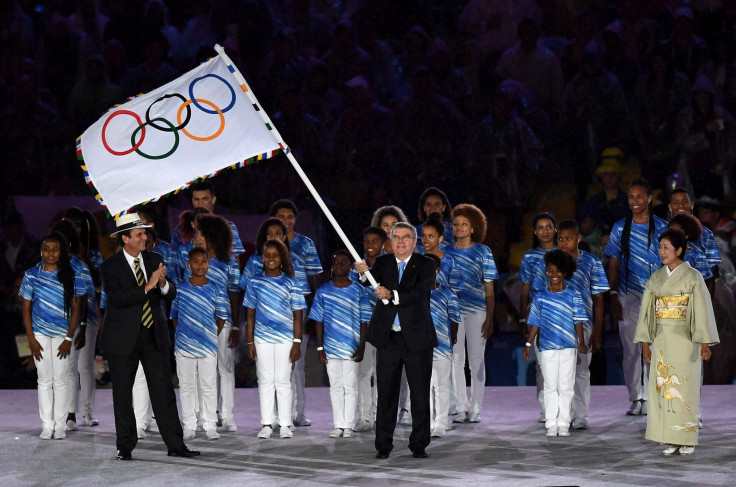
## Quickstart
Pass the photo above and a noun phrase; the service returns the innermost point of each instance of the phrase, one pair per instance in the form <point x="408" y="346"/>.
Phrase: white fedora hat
<point x="129" y="221"/>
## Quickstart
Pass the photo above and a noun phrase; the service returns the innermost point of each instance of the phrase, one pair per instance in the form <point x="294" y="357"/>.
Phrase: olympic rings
<point x="135" y="146"/>
<point x="166" y="129"/>
<point x="163" y="125"/>
<point x="206" y="102"/>
<point x="142" y="127"/>
<point x="191" y="93"/>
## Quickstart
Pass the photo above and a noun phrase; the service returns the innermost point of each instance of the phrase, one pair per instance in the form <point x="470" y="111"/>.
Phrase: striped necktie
<point x="147" y="319"/>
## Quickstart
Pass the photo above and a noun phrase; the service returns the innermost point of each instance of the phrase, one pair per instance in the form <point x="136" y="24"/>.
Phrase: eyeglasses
<point x="405" y="238"/>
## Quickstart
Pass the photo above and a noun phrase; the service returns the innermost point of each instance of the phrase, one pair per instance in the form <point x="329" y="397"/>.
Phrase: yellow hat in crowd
<point x="610" y="161"/>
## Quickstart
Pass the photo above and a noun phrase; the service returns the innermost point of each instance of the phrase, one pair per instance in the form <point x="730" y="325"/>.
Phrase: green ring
<point x="162" y="156"/>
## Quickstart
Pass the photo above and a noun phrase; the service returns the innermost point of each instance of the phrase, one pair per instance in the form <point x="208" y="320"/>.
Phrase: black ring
<point x="164" y="128"/>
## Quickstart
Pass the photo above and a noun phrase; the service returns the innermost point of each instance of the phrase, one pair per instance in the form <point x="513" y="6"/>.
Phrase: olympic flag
<point x="158" y="143"/>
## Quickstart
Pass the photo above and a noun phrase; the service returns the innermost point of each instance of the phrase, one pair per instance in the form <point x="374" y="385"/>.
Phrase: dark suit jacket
<point x="124" y="309"/>
<point x="414" y="294"/>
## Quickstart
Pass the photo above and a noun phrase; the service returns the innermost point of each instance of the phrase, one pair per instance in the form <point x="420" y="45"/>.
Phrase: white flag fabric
<point x="161" y="142"/>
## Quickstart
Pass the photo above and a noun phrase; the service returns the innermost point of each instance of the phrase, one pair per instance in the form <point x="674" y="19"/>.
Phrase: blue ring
<point x="206" y="110"/>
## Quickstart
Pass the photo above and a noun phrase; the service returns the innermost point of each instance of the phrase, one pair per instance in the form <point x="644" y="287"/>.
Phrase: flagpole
<point x="241" y="81"/>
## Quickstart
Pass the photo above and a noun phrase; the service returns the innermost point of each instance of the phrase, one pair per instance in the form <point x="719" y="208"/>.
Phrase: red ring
<point x="140" y="142"/>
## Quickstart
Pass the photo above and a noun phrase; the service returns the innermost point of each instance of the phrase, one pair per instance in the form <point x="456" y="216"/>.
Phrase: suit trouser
<point x="82" y="374"/>
<point x="366" y="393"/>
<point x="636" y="372"/>
<point x="53" y="383"/>
<point x="390" y="361"/>
<point x="343" y="374"/>
<point x="157" y="368"/>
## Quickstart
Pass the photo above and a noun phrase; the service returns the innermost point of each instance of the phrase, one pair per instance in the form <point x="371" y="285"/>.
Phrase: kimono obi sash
<point x="671" y="307"/>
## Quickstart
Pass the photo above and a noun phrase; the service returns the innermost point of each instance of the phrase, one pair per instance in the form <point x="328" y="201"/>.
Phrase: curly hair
<point x="432" y="191"/>
<point x="476" y="217"/>
<point x="286" y="266"/>
<point x="564" y="262"/>
<point x="216" y="230"/>
<point x="375" y="231"/>
<point x="689" y="224"/>
<point x="385" y="211"/>
<point x="263" y="229"/>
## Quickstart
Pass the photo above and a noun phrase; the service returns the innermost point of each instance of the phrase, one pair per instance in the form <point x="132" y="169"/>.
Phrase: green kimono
<point x="676" y="317"/>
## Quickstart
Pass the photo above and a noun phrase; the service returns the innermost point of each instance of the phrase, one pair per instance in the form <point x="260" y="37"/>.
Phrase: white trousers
<point x="366" y="393"/>
<point x="273" y="370"/>
<point x="538" y="376"/>
<point x="53" y="384"/>
<point x="141" y="399"/>
<point x="343" y="375"/>
<point x="636" y="373"/>
<point x="198" y="377"/>
<point x="439" y="398"/>
<point x="581" y="398"/>
<point x="82" y="374"/>
<point x="225" y="374"/>
<point x="298" y="382"/>
<point x="469" y="331"/>
<point x="558" y="368"/>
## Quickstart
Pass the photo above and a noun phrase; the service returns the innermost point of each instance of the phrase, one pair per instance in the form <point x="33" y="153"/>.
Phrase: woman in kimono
<point x="676" y="328"/>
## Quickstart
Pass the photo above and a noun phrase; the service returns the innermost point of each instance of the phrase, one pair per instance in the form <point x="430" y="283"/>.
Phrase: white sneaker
<point x="347" y="433"/>
<point x="362" y="426"/>
<point x="404" y="418"/>
<point x="47" y="434"/>
<point x="462" y="416"/>
<point x="212" y="434"/>
<point x="141" y="434"/>
<point x="438" y="433"/>
<point x="89" y="421"/>
<point x="188" y="434"/>
<point x="563" y="432"/>
<point x="687" y="450"/>
<point x="229" y="426"/>
<point x="71" y="425"/>
<point x="200" y="427"/>
<point x="302" y="420"/>
<point x="285" y="432"/>
<point x="644" y="408"/>
<point x="336" y="433"/>
<point x="671" y="450"/>
<point x="634" y="409"/>
<point x="552" y="431"/>
<point x="580" y="424"/>
<point x="265" y="433"/>
<point x="152" y="426"/>
<point x="474" y="417"/>
<point x="60" y="434"/>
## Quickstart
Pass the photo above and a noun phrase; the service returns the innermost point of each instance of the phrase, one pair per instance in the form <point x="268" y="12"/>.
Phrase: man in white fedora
<point x="134" y="331"/>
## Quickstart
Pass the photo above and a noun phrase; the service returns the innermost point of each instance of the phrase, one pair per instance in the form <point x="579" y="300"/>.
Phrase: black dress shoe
<point x="382" y="454"/>
<point x="124" y="455"/>
<point x="419" y="454"/>
<point x="183" y="452"/>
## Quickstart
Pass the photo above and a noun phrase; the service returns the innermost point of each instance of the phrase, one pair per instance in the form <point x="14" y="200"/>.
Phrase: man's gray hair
<point x="408" y="226"/>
